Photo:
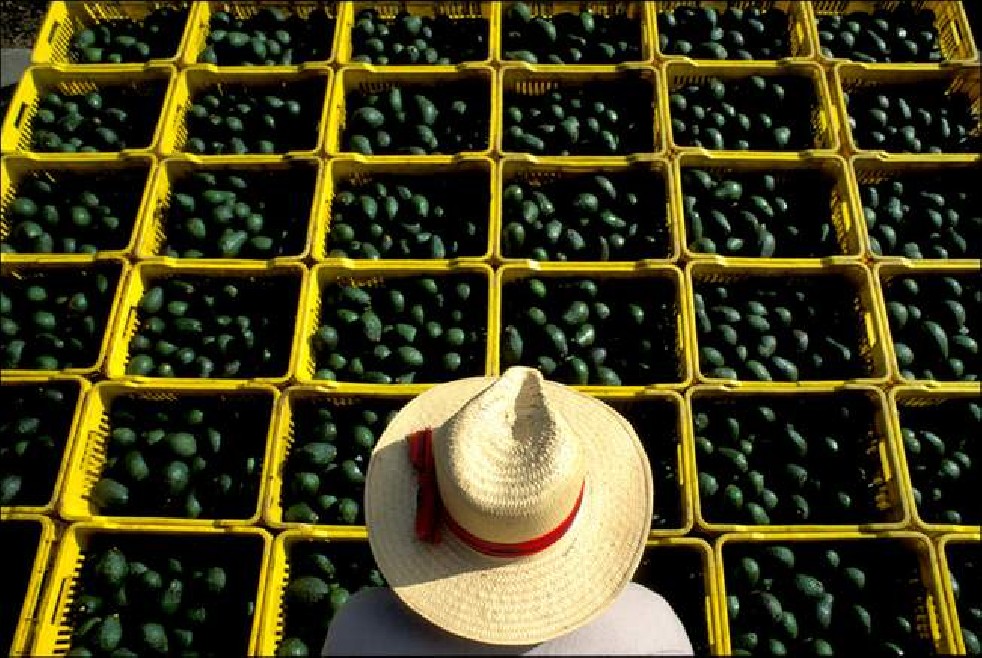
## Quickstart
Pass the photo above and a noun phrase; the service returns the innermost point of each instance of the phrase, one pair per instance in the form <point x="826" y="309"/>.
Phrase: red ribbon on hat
<point x="430" y="510"/>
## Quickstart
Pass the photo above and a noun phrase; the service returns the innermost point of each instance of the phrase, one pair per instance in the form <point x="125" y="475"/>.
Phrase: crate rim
<point x="54" y="598"/>
<point x="187" y="161"/>
<point x="32" y="162"/>
<point x="887" y="453"/>
<point x="23" y="628"/>
<point x="895" y="397"/>
<point x="783" y="161"/>
<point x="606" y="270"/>
<point x="102" y="394"/>
<point x="951" y="607"/>
<point x="118" y="353"/>
<point x="84" y="386"/>
<point x="881" y="273"/>
<point x="105" y="345"/>
<point x="361" y="268"/>
<point x="941" y="637"/>
<point x="886" y="163"/>
<point x="49" y="25"/>
<point x="872" y="319"/>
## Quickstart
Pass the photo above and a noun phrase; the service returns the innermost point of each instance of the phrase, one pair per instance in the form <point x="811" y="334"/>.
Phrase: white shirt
<point x="375" y="622"/>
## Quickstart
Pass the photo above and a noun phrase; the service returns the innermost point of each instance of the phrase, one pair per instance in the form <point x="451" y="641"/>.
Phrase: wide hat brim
<point x="513" y="601"/>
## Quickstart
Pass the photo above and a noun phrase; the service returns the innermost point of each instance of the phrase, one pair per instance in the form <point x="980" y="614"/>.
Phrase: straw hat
<point x="508" y="510"/>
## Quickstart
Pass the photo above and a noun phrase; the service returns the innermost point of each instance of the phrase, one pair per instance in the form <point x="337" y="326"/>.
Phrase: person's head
<point x="508" y="510"/>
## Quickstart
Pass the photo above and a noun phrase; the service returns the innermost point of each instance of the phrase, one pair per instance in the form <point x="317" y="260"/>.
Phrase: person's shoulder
<point x="363" y="610"/>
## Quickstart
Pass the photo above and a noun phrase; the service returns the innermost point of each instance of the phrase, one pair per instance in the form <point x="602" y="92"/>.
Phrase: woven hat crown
<point x="509" y="466"/>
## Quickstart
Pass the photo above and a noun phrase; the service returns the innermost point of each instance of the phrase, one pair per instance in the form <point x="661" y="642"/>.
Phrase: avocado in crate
<point x="131" y="41"/>
<point x="735" y="33"/>
<point x="55" y="318"/>
<point x="921" y="117"/>
<point x="603" y="118"/>
<point x="589" y="331"/>
<point x="72" y="212"/>
<point x="934" y="325"/>
<point x="258" y="213"/>
<point x="191" y="457"/>
<point x="758" y="113"/>
<point x="780" y="460"/>
<point x="145" y="594"/>
<point x="402" y="330"/>
<point x="571" y="37"/>
<point x="918" y="216"/>
<point x="766" y="328"/>
<point x="418" y="217"/>
<point x="756" y="214"/>
<point x="408" y="39"/>
<point x="408" y="119"/>
<point x="241" y="119"/>
<point x="824" y="597"/>
<point x="656" y="423"/>
<point x="901" y="35"/>
<point x="35" y="424"/>
<point x="322" y="577"/>
<point x="222" y="327"/>
<point x="965" y="573"/>
<point x="324" y="473"/>
<point x="616" y="216"/>
<point x="21" y="541"/>
<point x="677" y="573"/>
<point x="108" y="119"/>
<point x="272" y="36"/>
<point x="941" y="448"/>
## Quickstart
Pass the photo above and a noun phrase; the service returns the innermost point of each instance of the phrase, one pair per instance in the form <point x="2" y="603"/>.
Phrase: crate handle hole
<point x="54" y="30"/>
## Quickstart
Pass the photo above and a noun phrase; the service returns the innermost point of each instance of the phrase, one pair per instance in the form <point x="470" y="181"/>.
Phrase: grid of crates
<point x="301" y="392"/>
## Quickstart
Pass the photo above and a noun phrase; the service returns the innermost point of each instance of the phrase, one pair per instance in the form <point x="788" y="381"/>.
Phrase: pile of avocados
<point x="569" y="37"/>
<point x="130" y="40"/>
<point x="417" y="40"/>
<point x="271" y="36"/>
<point x="966" y="585"/>
<point x="734" y="33"/>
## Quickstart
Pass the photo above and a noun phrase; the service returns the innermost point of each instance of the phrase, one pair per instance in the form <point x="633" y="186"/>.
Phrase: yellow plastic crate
<point x="953" y="625"/>
<point x="24" y="626"/>
<point x="90" y="452"/>
<point x="639" y="11"/>
<point x="82" y="386"/>
<point x="359" y="169"/>
<point x="14" y="169"/>
<point x="278" y="577"/>
<point x="537" y="81"/>
<point x="201" y="77"/>
<point x="872" y="349"/>
<point x="824" y="118"/>
<point x="872" y="169"/>
<point x="36" y="81"/>
<point x="388" y="9"/>
<point x="24" y="269"/>
<point x="890" y="495"/>
<point x="378" y="273"/>
<point x="930" y="621"/>
<point x="542" y="170"/>
<point x="851" y="76"/>
<point x="153" y="233"/>
<point x="882" y="273"/>
<point x="710" y="580"/>
<point x="923" y="396"/>
<point x="841" y="211"/>
<point x="515" y="272"/>
<point x="800" y="40"/>
<point x="54" y="626"/>
<point x="364" y="79"/>
<point x="199" y="29"/>
<point x="283" y="438"/>
<point x="65" y="19"/>
<point x="954" y="32"/>
<point x="127" y="321"/>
